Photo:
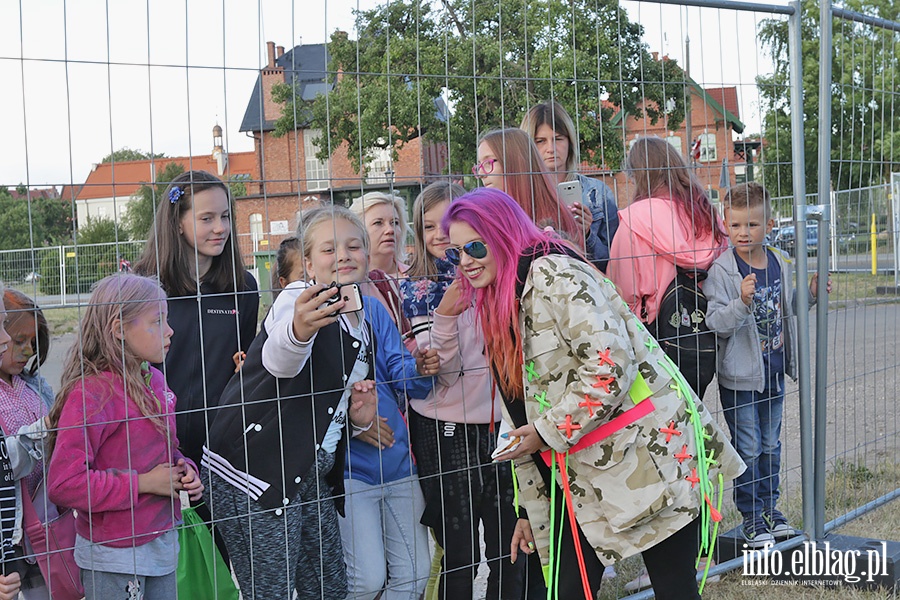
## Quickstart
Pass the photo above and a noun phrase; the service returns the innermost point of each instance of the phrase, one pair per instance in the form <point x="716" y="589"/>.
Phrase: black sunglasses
<point x="475" y="249"/>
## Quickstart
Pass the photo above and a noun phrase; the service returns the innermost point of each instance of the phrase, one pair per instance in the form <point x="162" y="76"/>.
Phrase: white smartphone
<point x="569" y="192"/>
<point x="350" y="295"/>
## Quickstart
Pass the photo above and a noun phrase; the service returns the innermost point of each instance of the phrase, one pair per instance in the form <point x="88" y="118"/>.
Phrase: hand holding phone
<point x="349" y="293"/>
<point x="569" y="192"/>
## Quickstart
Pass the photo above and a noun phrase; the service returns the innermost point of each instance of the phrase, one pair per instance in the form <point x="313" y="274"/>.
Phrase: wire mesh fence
<point x="366" y="106"/>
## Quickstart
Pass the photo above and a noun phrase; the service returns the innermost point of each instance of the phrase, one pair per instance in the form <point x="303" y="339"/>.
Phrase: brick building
<point x="290" y="174"/>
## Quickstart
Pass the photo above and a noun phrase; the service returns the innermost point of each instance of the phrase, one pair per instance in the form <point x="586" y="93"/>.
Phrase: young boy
<point x="751" y="309"/>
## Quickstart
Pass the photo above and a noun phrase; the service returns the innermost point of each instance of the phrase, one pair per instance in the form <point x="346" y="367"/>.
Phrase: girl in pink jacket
<point x="115" y="456"/>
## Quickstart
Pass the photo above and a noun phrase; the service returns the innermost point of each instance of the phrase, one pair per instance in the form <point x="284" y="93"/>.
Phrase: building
<point x="109" y="187"/>
<point x="720" y="160"/>
<point x="291" y="176"/>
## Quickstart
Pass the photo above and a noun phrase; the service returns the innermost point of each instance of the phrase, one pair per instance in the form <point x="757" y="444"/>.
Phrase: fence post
<point x="807" y="483"/>
<point x="62" y="275"/>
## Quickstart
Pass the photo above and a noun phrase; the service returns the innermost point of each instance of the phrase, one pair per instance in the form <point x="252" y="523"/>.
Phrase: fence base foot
<point x="891" y="290"/>
<point x="834" y="562"/>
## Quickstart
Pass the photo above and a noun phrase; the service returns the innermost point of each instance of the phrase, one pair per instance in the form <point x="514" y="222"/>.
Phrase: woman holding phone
<point x="509" y="161"/>
<point x="594" y="204"/>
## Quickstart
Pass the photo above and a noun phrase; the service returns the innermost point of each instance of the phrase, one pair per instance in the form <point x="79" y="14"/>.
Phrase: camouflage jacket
<point x="584" y="350"/>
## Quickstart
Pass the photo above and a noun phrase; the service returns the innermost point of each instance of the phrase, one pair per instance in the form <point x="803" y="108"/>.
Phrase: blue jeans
<point x="385" y="546"/>
<point x="754" y="419"/>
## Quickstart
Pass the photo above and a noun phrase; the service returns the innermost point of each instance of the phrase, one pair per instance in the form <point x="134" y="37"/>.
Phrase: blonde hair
<point x="360" y="205"/>
<point x="422" y="265"/>
<point x="310" y="219"/>
<point x="122" y="298"/>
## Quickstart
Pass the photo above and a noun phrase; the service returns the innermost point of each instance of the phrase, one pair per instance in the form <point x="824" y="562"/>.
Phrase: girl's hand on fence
<point x="189" y="481"/>
<point x="363" y="404"/>
<point x="450" y="305"/>
<point x="162" y="480"/>
<point x="379" y="435"/>
<point x="9" y="586"/>
<point x="427" y="362"/>
<point x="522" y="539"/>
<point x="814" y="285"/>
<point x="311" y="312"/>
<point x="238" y="359"/>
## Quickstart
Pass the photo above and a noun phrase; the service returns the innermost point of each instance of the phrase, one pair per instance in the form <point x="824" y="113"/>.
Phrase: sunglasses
<point x="475" y="249"/>
<point x="486" y="167"/>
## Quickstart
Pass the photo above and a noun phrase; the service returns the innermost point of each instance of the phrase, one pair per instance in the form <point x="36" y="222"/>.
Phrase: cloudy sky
<point x="81" y="78"/>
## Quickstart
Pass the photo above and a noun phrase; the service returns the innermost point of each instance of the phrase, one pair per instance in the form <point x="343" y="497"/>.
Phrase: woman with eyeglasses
<point x="509" y="161"/>
<point x="553" y="132"/>
<point x="454" y="430"/>
<point x="614" y="454"/>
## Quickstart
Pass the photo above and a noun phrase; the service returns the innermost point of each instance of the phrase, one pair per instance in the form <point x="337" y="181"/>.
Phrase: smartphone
<point x="569" y="192"/>
<point x="350" y="295"/>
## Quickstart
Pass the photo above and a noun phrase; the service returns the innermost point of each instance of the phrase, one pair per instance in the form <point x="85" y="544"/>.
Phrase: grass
<point x="853" y="289"/>
<point x="62" y="320"/>
<point x="847" y="486"/>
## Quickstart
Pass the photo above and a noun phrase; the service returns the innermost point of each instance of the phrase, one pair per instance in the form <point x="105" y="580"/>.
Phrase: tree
<point x="865" y="146"/>
<point x="487" y="62"/>
<point x="40" y="222"/>
<point x="101" y="230"/>
<point x="142" y="209"/>
<point x="127" y="154"/>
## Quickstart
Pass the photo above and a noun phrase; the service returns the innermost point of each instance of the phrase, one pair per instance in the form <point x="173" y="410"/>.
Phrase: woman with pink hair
<point x="614" y="454"/>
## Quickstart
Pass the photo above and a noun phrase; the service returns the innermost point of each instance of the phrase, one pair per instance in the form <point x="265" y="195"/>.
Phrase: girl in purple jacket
<point x="115" y="456"/>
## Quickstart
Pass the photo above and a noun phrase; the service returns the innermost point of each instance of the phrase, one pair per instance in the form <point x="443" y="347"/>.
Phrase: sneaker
<point x="609" y="573"/>
<point x="777" y="524"/>
<point x="756" y="531"/>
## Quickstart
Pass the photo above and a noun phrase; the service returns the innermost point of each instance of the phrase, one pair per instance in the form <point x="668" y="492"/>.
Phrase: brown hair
<point x="122" y="298"/>
<point x="289" y="251"/>
<point x="554" y="116"/>
<point x="745" y="196"/>
<point x="525" y="180"/>
<point x="18" y="305"/>
<point x="422" y="265"/>
<point x="312" y="218"/>
<point x="660" y="171"/>
<point x="167" y="253"/>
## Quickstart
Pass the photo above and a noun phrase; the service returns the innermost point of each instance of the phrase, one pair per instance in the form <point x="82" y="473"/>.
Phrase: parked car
<point x="785" y="239"/>
<point x="32" y="277"/>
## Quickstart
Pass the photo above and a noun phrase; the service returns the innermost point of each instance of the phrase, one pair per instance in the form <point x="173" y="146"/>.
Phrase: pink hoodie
<point x="648" y="245"/>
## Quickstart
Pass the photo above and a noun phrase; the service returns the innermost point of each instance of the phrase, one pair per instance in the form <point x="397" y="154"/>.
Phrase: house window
<point x="379" y="166"/>
<point x="316" y="170"/>
<point x="675" y="141"/>
<point x="714" y="200"/>
<point x="256" y="230"/>
<point x="708" y="147"/>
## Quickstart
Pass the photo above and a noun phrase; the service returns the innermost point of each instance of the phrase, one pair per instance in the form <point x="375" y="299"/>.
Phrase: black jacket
<point x="272" y="427"/>
<point x="209" y="329"/>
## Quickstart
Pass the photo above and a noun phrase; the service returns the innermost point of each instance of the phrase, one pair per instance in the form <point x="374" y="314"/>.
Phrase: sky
<point x="83" y="77"/>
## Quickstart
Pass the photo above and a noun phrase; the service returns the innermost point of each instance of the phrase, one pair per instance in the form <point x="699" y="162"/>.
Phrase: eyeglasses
<point x="475" y="249"/>
<point x="486" y="167"/>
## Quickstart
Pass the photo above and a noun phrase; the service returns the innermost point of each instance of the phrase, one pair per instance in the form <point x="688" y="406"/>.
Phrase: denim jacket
<point x="597" y="196"/>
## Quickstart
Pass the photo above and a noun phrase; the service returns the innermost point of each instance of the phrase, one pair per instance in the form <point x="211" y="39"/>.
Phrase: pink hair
<point x="484" y="210"/>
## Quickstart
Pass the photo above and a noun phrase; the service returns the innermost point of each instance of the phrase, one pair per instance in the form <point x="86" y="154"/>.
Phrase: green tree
<point x="865" y="145"/>
<point x="100" y="231"/>
<point x="488" y="62"/>
<point x="127" y="154"/>
<point x="41" y="222"/>
<point x="142" y="208"/>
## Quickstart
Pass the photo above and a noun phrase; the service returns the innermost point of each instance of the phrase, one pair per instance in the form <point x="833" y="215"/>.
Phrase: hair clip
<point x="175" y="194"/>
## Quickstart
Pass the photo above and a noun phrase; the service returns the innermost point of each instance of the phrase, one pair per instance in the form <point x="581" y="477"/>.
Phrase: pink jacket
<point x="104" y="442"/>
<point x="462" y="393"/>
<point x="653" y="237"/>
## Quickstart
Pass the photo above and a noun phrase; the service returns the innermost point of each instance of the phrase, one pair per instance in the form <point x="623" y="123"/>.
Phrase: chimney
<point x="271" y="49"/>
<point x="280" y="51"/>
<point x="655" y="55"/>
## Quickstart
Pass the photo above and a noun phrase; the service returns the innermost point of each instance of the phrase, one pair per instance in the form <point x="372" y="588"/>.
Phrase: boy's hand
<point x="814" y="285"/>
<point x="427" y="362"/>
<point x="748" y="288"/>
<point x="311" y="312"/>
<point x="363" y="404"/>
<point x="162" y="480"/>
<point x="189" y="481"/>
